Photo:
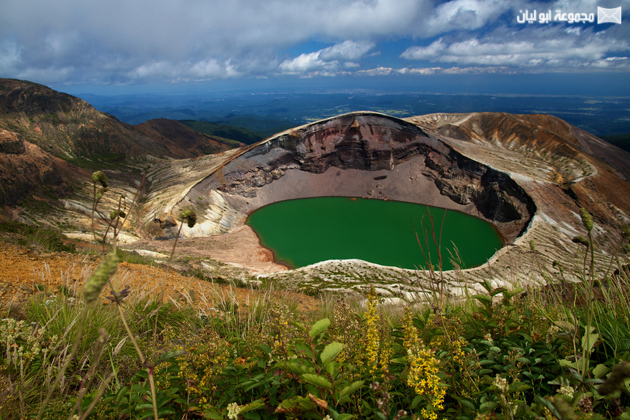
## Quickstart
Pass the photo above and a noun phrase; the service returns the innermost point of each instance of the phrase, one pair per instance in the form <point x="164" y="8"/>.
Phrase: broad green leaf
<point x="468" y="404"/>
<point x="319" y="327"/>
<point x="589" y="339"/>
<point x="252" y="386"/>
<point x="107" y="400"/>
<point x="296" y="405"/>
<point x="344" y="416"/>
<point x="265" y="348"/>
<point x="297" y="325"/>
<point x="214" y="414"/>
<point x="488" y="406"/>
<point x="519" y="387"/>
<point x="330" y="351"/>
<point x="576" y="375"/>
<point x="170" y="354"/>
<point x="254" y="405"/>
<point x="139" y="389"/>
<point x="567" y="363"/>
<point x="600" y="370"/>
<point x="317" y="380"/>
<point x="163" y="412"/>
<point x="567" y="326"/>
<point x="294" y="366"/>
<point x="330" y="368"/>
<point x="122" y="393"/>
<point x="351" y="388"/>
<point x="485" y="299"/>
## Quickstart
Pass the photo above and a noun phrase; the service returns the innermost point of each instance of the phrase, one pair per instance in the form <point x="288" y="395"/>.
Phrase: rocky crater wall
<point x="362" y="155"/>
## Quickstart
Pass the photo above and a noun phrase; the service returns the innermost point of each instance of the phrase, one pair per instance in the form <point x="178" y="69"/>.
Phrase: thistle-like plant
<point x="118" y="216"/>
<point x="98" y="177"/>
<point x="189" y="217"/>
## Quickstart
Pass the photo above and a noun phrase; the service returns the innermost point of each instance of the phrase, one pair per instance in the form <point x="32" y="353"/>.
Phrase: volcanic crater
<point x="356" y="155"/>
<point x="527" y="175"/>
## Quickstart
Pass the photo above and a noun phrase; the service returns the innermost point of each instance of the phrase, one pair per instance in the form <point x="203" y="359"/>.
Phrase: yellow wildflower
<point x="372" y="323"/>
<point x="423" y="370"/>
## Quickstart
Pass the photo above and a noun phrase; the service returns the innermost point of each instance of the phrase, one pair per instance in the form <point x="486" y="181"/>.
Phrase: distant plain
<point x="266" y="113"/>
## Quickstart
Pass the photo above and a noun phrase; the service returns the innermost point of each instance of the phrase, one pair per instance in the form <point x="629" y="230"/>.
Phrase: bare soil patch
<point x="25" y="272"/>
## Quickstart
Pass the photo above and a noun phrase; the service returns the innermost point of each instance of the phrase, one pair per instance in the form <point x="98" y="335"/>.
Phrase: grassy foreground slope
<point x="558" y="351"/>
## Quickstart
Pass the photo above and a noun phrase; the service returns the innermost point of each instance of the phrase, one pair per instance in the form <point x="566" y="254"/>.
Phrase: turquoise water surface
<point x="306" y="231"/>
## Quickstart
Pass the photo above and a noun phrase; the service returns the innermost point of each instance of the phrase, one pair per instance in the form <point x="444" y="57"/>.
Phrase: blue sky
<point x="457" y="45"/>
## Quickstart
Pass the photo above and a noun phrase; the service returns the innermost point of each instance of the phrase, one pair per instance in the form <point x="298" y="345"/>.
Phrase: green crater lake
<point x="306" y="231"/>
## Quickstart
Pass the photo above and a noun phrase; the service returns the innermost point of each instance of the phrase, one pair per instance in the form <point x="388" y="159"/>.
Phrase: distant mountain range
<point x="45" y="134"/>
<point x="268" y="112"/>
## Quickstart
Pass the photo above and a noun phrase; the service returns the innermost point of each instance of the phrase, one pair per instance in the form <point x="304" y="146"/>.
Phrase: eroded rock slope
<point x="361" y="155"/>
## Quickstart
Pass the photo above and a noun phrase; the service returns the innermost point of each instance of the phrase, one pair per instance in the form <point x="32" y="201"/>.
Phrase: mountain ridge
<point x="70" y="128"/>
<point x="45" y="133"/>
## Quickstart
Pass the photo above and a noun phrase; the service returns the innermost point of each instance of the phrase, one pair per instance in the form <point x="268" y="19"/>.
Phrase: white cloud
<point x="208" y="69"/>
<point x="328" y="59"/>
<point x="386" y="71"/>
<point x="184" y="38"/>
<point x="430" y="52"/>
<point x="126" y="41"/>
<point x="424" y="71"/>
<point x="379" y="71"/>
<point x="531" y="47"/>
<point x="464" y="15"/>
<point x="421" y="71"/>
<point x="346" y="51"/>
<point x="304" y="63"/>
